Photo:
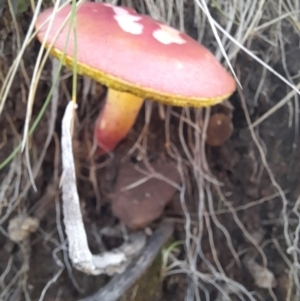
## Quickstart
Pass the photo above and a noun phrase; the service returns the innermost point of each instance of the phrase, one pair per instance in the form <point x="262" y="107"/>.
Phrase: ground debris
<point x="263" y="277"/>
<point x="21" y="227"/>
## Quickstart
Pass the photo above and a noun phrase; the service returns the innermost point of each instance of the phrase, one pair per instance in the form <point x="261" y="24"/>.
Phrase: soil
<point x="236" y="163"/>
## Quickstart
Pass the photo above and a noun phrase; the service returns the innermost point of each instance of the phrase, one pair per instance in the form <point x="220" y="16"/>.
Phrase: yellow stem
<point x="117" y="118"/>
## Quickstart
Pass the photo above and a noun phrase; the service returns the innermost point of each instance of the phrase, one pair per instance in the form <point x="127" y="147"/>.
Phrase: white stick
<point x="82" y="258"/>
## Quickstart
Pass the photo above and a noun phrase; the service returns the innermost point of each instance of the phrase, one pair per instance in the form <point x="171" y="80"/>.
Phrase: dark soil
<point x="236" y="163"/>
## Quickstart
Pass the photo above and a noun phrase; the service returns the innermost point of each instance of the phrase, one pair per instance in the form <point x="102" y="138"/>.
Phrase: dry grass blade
<point x="280" y="104"/>
<point x="14" y="68"/>
<point x="205" y="9"/>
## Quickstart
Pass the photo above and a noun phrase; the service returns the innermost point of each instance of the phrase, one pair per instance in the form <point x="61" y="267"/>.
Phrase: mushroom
<point x="138" y="205"/>
<point x="137" y="58"/>
<point x="219" y="129"/>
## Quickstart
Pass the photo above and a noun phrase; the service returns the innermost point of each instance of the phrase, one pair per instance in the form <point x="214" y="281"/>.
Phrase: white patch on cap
<point x="102" y="124"/>
<point x="107" y="4"/>
<point x="179" y="65"/>
<point x="120" y="11"/>
<point x="126" y="20"/>
<point x="128" y="23"/>
<point x="168" y="35"/>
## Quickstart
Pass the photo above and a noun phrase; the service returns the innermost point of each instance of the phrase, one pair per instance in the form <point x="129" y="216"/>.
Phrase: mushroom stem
<point x="116" y="119"/>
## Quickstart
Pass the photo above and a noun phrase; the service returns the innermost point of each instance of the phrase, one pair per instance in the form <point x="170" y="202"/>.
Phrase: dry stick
<point x="83" y="260"/>
<point x="120" y="283"/>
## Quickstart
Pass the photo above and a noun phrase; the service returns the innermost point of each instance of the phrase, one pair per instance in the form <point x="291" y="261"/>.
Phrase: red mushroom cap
<point x="134" y="53"/>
